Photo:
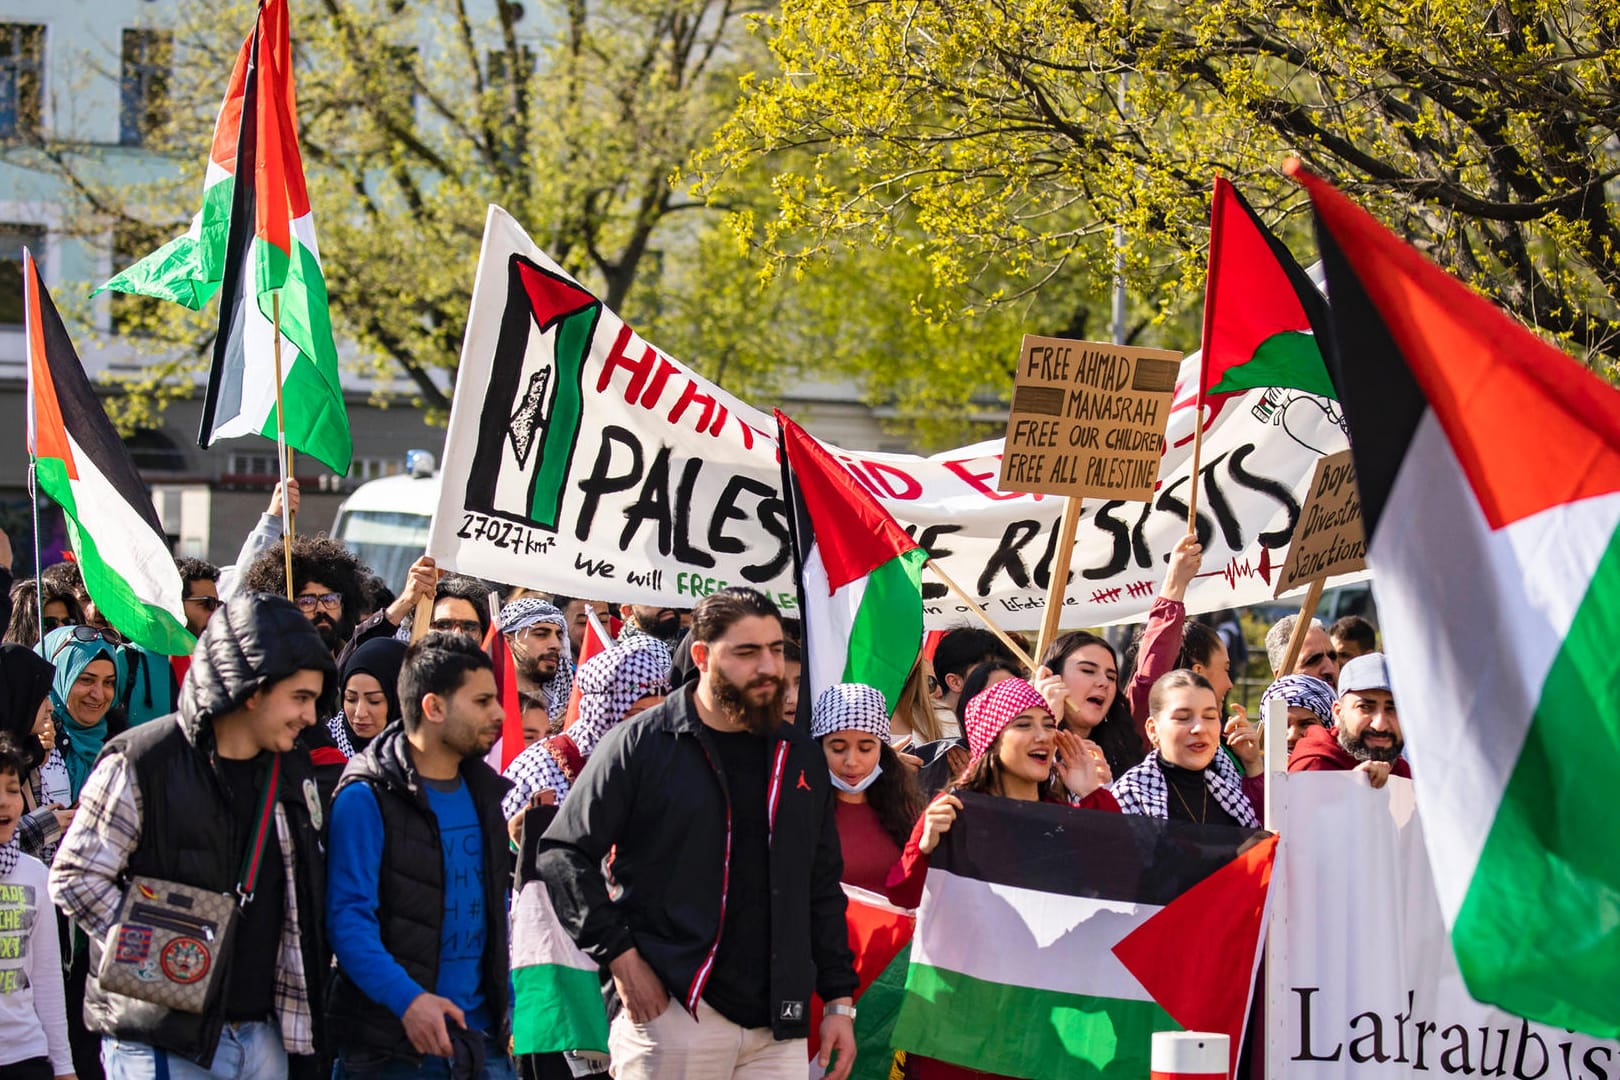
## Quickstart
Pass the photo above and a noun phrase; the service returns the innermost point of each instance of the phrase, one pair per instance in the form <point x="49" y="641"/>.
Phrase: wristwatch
<point x="842" y="1010"/>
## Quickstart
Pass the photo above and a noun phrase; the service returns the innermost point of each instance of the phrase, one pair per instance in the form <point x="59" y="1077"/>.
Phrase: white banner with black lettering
<point x="1368" y="984"/>
<point x="580" y="459"/>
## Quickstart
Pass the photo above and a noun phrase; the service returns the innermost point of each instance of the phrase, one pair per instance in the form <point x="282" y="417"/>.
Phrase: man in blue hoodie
<point x="418" y="874"/>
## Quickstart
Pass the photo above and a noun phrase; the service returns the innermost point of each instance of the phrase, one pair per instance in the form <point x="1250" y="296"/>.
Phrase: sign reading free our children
<point x="584" y="460"/>
<point x="1088" y="419"/>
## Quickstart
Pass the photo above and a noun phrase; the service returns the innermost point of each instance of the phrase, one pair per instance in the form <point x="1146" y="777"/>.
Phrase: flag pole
<point x="973" y="606"/>
<point x="1216" y="205"/>
<point x="39" y="562"/>
<point x="283" y="457"/>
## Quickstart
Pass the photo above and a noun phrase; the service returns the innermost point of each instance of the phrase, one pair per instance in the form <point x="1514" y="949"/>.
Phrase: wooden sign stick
<point x="1302" y="626"/>
<point x="984" y="616"/>
<point x="424" y="615"/>
<point x="1060" y="575"/>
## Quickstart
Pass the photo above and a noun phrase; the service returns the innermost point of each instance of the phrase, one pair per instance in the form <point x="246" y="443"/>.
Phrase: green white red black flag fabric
<point x="1262" y="314"/>
<point x="1092" y="929"/>
<point x="860" y="575"/>
<point x="1489" y="468"/>
<point x="86" y="470"/>
<point x="270" y="254"/>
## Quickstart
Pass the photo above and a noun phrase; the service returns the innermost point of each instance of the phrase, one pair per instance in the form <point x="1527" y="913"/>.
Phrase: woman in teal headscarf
<point x="89" y="673"/>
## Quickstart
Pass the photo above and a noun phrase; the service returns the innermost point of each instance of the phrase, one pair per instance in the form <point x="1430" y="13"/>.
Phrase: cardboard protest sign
<point x="583" y="460"/>
<point x="1329" y="540"/>
<point x="1088" y="419"/>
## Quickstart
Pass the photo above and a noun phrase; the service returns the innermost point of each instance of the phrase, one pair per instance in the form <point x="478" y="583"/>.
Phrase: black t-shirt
<point x="1189" y="797"/>
<point x="739" y="987"/>
<point x="250" y="981"/>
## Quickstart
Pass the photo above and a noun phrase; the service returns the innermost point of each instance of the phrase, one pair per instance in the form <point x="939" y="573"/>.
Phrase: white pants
<point x="674" y="1046"/>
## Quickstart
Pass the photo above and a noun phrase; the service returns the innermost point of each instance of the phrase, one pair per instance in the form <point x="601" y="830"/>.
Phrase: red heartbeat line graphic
<point x="1241" y="568"/>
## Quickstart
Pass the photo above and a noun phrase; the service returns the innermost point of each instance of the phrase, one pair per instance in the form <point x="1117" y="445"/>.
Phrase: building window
<point x="143" y="88"/>
<point x="153" y="451"/>
<point x="254" y="465"/>
<point x="22" y="76"/>
<point x="135" y="316"/>
<point x="13" y="238"/>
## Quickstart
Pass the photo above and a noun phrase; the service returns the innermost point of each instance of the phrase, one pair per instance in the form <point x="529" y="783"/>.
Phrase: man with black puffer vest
<point x="420" y="869"/>
<point x="183" y="799"/>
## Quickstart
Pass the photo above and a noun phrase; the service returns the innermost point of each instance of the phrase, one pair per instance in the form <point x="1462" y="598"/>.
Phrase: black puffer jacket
<point x="188" y="833"/>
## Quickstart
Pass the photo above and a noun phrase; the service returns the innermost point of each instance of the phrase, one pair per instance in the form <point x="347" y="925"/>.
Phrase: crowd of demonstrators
<point x="701" y="835"/>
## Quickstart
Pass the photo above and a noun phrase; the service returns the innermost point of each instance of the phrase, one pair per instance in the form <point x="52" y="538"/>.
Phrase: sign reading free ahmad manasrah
<point x="581" y="459"/>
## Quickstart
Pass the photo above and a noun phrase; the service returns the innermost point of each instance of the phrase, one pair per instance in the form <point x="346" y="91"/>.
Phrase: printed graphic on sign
<point x="533" y="402"/>
<point x="185" y="960"/>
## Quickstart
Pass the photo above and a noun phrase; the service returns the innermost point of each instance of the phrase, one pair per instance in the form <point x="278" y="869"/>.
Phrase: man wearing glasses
<point x="201" y="592"/>
<point x="326" y="584"/>
<point x="460" y="606"/>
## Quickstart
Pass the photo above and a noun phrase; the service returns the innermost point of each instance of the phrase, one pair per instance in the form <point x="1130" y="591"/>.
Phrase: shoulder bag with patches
<point x="169" y="943"/>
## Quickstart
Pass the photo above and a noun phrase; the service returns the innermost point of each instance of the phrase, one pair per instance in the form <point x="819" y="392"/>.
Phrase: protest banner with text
<point x="581" y="459"/>
<point x="1370" y="986"/>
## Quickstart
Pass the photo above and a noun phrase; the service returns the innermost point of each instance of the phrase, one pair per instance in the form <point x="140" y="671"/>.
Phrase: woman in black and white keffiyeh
<point x="1189" y="777"/>
<point x="615" y="684"/>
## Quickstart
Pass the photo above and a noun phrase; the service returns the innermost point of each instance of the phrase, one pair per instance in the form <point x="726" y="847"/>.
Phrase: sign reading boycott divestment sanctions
<point x="581" y="459"/>
<point x="1329" y="539"/>
<point x="1088" y="419"/>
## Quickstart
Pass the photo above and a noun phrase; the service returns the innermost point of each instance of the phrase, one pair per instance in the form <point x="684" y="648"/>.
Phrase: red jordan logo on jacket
<point x="803" y="784"/>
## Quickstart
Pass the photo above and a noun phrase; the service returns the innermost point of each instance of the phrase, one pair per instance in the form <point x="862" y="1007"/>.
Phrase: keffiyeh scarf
<point x="527" y="611"/>
<point x="850" y="707"/>
<point x="1304" y="692"/>
<point x="611" y="682"/>
<point x="10" y="852"/>
<point x="1144" y="790"/>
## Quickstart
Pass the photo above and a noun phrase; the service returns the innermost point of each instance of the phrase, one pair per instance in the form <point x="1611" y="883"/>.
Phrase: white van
<point x="385" y="522"/>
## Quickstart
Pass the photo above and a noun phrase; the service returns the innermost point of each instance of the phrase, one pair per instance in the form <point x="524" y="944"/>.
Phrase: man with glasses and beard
<point x="726" y="913"/>
<point x="327" y="579"/>
<point x="1366" y="732"/>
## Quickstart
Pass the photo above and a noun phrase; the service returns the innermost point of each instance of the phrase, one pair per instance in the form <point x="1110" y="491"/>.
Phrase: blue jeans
<point x="247" y="1051"/>
<point x="497" y="1066"/>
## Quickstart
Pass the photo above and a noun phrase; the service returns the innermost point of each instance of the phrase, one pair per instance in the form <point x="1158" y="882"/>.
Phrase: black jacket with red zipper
<point x="653" y="794"/>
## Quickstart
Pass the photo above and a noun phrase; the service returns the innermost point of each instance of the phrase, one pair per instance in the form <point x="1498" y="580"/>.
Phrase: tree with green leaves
<point x="1003" y="143"/>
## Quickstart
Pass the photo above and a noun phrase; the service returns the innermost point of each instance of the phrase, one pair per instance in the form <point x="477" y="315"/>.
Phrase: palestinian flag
<point x="84" y="467"/>
<point x="510" y="744"/>
<point x="557" y="1000"/>
<point x="1489" y="468"/>
<point x="271" y="253"/>
<point x="1262" y="314"/>
<point x="189" y="268"/>
<point x="880" y="938"/>
<point x="859" y="574"/>
<point x="596" y="639"/>
<point x="1094" y="929"/>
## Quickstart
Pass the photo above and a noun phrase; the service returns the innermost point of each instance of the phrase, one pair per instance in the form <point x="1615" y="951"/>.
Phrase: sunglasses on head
<point x="86" y="634"/>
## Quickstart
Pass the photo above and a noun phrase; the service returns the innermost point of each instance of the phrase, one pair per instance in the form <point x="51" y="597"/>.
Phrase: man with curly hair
<point x="327" y="582"/>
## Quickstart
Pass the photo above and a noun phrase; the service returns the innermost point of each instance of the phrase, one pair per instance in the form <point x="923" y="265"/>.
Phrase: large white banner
<point x="1368" y="983"/>
<point x="581" y="459"/>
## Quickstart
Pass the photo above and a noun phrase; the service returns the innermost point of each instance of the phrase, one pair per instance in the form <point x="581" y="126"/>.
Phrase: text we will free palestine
<point x="1088" y="419"/>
